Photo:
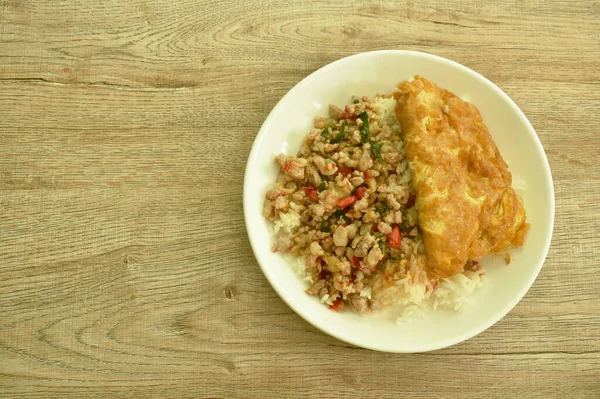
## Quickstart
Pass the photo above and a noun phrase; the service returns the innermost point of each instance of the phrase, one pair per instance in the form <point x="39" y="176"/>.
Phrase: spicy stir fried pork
<point x="346" y="204"/>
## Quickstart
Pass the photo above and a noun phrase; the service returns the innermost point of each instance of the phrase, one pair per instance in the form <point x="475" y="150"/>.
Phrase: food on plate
<point x="465" y="202"/>
<point x="365" y="208"/>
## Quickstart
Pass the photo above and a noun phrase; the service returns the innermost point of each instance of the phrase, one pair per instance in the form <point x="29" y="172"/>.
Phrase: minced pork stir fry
<point x="345" y="204"/>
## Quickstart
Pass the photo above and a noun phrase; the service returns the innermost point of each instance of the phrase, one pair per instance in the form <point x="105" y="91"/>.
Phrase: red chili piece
<point x="346" y="202"/>
<point x="336" y="305"/>
<point x="345" y="170"/>
<point x="394" y="238"/>
<point x="360" y="192"/>
<point x="311" y="192"/>
<point x="345" y="114"/>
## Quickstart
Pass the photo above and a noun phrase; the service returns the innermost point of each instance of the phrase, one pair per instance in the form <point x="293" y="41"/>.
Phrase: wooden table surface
<point x="125" y="269"/>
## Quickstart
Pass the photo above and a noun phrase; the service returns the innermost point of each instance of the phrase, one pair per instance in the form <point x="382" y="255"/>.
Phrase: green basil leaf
<point x="364" y="129"/>
<point x="376" y="147"/>
<point x="340" y="137"/>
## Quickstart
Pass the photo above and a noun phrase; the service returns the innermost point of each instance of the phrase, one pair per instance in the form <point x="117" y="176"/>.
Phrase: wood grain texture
<point x="125" y="270"/>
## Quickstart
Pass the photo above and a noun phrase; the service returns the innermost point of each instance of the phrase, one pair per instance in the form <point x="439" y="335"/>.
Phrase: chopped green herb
<point x="382" y="208"/>
<point x="376" y="147"/>
<point x="340" y="214"/>
<point x="322" y="186"/>
<point x="340" y="136"/>
<point x="325" y="133"/>
<point x="404" y="226"/>
<point x="356" y="101"/>
<point x="364" y="129"/>
<point x="324" y="227"/>
<point x="383" y="245"/>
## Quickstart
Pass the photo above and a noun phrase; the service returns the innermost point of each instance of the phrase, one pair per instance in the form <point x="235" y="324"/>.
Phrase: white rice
<point x="452" y="293"/>
<point x="287" y="221"/>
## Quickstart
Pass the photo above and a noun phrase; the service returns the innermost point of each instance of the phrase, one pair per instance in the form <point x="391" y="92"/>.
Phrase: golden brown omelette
<point x="465" y="202"/>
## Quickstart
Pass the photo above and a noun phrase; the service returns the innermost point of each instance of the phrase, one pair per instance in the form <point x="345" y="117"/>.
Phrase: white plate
<point x="379" y="72"/>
